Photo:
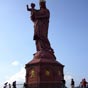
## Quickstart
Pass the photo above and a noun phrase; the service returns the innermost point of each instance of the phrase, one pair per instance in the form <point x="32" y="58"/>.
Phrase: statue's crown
<point x="42" y="0"/>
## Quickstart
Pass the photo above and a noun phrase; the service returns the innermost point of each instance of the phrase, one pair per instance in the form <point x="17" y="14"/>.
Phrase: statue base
<point x="44" y="71"/>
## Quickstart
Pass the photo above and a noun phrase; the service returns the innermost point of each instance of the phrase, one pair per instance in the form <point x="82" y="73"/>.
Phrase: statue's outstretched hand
<point x="27" y="7"/>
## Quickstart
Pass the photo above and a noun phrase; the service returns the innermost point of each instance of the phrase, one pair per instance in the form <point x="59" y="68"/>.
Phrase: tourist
<point x="63" y="84"/>
<point x="84" y="83"/>
<point x="5" y="85"/>
<point x="14" y="84"/>
<point x="72" y="83"/>
<point x="25" y="85"/>
<point x="80" y="85"/>
<point x="9" y="85"/>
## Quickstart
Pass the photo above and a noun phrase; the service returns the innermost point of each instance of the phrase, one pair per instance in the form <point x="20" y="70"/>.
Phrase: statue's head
<point x="32" y="5"/>
<point x="42" y="0"/>
<point x="42" y="4"/>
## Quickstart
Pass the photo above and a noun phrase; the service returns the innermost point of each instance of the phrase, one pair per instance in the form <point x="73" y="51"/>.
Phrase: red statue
<point x="43" y="71"/>
<point x="40" y="19"/>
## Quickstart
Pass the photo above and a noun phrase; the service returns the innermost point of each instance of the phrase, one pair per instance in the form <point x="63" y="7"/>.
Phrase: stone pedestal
<point x="44" y="71"/>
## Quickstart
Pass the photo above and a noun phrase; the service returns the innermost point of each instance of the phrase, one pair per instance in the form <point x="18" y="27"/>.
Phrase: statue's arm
<point x="28" y="9"/>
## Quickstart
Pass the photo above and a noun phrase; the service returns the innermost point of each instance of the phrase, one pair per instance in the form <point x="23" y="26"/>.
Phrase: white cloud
<point x="68" y="78"/>
<point x="15" y="63"/>
<point x="19" y="77"/>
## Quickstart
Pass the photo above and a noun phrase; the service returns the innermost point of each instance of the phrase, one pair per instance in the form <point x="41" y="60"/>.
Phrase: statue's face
<point x="42" y="4"/>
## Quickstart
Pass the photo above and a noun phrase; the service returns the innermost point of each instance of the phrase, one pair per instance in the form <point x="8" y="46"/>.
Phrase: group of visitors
<point x="83" y="83"/>
<point x="8" y="85"/>
<point x="72" y="83"/>
<point x="64" y="84"/>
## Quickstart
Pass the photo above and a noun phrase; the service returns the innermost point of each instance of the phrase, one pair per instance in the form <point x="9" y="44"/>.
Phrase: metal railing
<point x="17" y="86"/>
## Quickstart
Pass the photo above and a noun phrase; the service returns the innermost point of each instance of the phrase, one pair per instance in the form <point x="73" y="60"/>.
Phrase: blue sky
<point x="68" y="35"/>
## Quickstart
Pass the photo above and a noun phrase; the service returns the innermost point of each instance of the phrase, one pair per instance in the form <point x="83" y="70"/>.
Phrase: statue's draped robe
<point x="41" y="23"/>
